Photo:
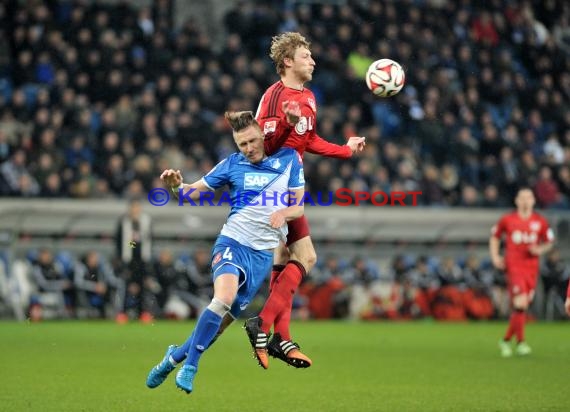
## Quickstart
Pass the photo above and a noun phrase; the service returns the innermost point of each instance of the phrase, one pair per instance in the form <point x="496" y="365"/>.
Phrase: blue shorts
<point x="250" y="265"/>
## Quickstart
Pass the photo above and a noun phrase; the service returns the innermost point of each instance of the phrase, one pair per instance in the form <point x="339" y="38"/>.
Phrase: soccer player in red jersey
<point x="287" y="114"/>
<point x="527" y="236"/>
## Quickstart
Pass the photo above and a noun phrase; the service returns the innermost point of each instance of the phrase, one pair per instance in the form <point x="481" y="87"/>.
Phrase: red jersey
<point x="519" y="235"/>
<point x="301" y="137"/>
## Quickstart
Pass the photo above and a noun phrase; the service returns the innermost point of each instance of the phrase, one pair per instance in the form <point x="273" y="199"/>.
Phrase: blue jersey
<point x="256" y="191"/>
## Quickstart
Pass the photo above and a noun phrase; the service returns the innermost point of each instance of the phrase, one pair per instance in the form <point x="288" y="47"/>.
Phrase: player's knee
<point x="521" y="307"/>
<point x="220" y="304"/>
<point x="520" y="302"/>
<point x="308" y="260"/>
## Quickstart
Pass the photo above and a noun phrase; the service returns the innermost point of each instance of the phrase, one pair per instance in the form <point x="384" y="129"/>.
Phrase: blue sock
<point x="205" y="330"/>
<point x="182" y="351"/>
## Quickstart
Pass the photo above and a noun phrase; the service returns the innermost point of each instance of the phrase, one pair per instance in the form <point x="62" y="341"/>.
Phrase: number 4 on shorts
<point x="227" y="254"/>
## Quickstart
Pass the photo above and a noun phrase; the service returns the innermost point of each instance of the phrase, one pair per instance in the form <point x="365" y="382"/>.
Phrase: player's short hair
<point x="283" y="46"/>
<point x="241" y="120"/>
<point x="524" y="187"/>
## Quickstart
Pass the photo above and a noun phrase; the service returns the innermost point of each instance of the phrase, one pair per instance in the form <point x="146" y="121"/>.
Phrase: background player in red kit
<point x="527" y="236"/>
<point x="287" y="114"/>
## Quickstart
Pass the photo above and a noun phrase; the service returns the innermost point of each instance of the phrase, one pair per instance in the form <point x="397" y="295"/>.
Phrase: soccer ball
<point x="385" y="77"/>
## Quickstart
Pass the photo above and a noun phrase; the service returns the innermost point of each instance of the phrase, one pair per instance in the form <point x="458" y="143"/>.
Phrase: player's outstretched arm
<point x="320" y="146"/>
<point x="173" y="179"/>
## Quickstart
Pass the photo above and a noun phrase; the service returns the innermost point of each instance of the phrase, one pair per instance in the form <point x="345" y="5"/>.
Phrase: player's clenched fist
<point x="356" y="143"/>
<point x="172" y="178"/>
<point x="292" y="111"/>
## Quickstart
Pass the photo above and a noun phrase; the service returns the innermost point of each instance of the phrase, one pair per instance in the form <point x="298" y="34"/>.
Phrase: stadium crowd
<point x="97" y="99"/>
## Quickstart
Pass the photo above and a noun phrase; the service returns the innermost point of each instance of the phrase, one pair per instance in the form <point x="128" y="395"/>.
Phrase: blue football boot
<point x="185" y="378"/>
<point x="158" y="374"/>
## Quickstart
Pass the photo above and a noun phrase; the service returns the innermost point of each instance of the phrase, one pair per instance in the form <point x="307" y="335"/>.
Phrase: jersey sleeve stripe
<point x="273" y="100"/>
<point x="206" y="184"/>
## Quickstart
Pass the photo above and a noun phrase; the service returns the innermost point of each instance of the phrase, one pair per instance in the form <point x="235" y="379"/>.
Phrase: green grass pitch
<point x="423" y="366"/>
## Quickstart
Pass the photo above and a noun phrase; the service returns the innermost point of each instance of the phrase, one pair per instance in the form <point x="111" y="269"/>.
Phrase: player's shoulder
<point x="235" y="159"/>
<point x="539" y="216"/>
<point x="275" y="90"/>
<point x="287" y="153"/>
<point x="506" y="219"/>
<point x="308" y="92"/>
<point x="269" y="105"/>
<point x="510" y="215"/>
<point x="277" y="85"/>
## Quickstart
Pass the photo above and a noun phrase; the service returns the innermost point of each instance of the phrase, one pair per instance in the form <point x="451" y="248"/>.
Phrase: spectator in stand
<point x="424" y="284"/>
<point x="546" y="189"/>
<point x="484" y="30"/>
<point x="95" y="278"/>
<point x="185" y="289"/>
<point x="555" y="274"/>
<point x="51" y="277"/>
<point x="148" y="66"/>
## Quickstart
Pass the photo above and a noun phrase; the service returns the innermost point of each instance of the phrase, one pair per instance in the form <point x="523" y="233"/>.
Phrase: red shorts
<point x="298" y="229"/>
<point x="521" y="284"/>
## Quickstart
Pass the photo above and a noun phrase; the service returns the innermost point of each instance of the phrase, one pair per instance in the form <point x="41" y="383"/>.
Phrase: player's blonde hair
<point x="284" y="46"/>
<point x="241" y="120"/>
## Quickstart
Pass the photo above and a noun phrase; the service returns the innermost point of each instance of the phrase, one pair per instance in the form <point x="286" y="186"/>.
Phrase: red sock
<point x="512" y="327"/>
<point x="281" y="295"/>
<point x="283" y="319"/>
<point x="282" y="322"/>
<point x="277" y="269"/>
<point x="520" y="320"/>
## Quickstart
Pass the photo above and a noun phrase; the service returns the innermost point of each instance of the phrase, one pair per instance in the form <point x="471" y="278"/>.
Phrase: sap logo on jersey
<point x="257" y="180"/>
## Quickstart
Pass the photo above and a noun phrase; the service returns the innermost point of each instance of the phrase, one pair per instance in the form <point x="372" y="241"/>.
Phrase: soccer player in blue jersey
<point x="266" y="193"/>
